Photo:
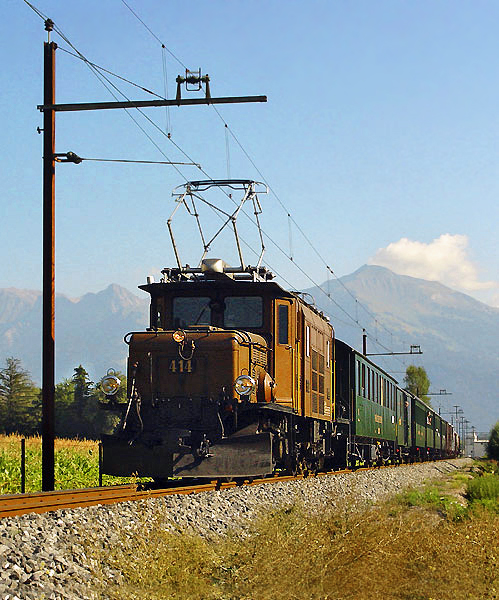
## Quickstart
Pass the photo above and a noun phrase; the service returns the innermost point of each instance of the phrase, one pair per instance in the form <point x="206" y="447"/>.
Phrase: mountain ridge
<point x="456" y="332"/>
<point x="104" y="315"/>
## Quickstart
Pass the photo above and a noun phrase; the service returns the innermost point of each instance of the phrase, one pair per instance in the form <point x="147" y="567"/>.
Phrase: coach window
<point x="307" y="340"/>
<point x="364" y="380"/>
<point x="283" y="324"/>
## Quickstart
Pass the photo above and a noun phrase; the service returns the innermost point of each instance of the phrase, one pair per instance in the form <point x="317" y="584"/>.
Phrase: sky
<point x="378" y="140"/>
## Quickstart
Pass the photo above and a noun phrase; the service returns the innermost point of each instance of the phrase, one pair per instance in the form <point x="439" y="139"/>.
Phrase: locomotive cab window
<point x="191" y="311"/>
<point x="243" y="311"/>
<point x="156" y="314"/>
<point x="283" y="324"/>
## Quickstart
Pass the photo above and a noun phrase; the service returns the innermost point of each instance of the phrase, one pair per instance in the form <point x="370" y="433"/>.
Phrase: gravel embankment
<point x="43" y="557"/>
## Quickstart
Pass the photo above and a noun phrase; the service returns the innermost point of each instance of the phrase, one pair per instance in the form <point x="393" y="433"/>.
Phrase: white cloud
<point x="445" y="259"/>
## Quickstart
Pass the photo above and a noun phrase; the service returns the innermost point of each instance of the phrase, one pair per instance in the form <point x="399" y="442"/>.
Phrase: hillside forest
<point x="77" y="411"/>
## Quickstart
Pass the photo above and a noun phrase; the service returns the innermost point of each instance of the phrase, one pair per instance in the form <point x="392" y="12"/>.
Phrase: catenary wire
<point x="153" y="34"/>
<point x="95" y="68"/>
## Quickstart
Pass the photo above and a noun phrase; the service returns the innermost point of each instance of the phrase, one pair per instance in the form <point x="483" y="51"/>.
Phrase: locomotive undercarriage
<point x="204" y="438"/>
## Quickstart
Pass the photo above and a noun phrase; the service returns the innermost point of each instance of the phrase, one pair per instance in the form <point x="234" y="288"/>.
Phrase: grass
<point x="418" y="546"/>
<point x="76" y="464"/>
<point x="437" y="499"/>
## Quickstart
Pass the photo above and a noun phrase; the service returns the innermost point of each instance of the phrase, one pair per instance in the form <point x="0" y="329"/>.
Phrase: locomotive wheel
<point x="290" y="464"/>
<point x="320" y="464"/>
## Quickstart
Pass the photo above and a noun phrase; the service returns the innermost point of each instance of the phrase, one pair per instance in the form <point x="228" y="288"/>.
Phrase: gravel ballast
<point x="42" y="555"/>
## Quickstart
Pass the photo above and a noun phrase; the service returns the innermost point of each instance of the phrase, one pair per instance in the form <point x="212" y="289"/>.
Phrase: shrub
<point x="493" y="445"/>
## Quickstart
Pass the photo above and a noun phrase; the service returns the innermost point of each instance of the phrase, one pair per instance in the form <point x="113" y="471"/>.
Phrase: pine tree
<point x="20" y="410"/>
<point x="82" y="390"/>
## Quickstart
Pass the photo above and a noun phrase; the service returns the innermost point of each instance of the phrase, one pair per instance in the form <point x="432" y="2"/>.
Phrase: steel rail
<point x="40" y="502"/>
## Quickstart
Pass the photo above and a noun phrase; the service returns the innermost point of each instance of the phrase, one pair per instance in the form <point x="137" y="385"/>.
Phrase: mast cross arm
<point x="148" y="103"/>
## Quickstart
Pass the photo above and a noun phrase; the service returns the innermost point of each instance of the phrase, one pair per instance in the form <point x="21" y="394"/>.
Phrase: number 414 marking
<point x="179" y="365"/>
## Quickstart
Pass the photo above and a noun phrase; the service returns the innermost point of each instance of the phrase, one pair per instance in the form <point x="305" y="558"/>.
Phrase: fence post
<point x="100" y="464"/>
<point x="23" y="466"/>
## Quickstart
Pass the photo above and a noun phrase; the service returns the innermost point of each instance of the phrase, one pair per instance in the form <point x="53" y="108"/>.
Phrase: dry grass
<point x="402" y="550"/>
<point x="12" y="442"/>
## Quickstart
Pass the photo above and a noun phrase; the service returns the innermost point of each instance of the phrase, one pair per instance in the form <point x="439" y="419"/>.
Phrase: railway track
<point x="41" y="502"/>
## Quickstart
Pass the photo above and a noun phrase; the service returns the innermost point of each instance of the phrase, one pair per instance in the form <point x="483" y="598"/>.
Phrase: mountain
<point x="457" y="334"/>
<point x="89" y="330"/>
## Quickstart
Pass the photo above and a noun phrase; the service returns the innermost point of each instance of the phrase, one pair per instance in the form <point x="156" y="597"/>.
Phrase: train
<point x="237" y="377"/>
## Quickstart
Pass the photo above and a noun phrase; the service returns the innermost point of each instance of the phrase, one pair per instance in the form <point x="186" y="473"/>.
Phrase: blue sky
<point x="379" y="137"/>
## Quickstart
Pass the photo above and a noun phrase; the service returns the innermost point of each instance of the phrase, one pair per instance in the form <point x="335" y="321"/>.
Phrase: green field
<point x="76" y="465"/>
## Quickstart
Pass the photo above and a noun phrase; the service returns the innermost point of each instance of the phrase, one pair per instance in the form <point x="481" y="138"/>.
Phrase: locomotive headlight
<point x="110" y="384"/>
<point x="245" y="385"/>
<point x="179" y="336"/>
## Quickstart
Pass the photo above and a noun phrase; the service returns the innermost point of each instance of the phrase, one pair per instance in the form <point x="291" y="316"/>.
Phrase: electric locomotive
<point x="234" y="377"/>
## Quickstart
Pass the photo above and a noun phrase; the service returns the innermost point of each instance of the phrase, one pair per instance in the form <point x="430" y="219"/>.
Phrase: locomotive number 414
<point x="180" y="365"/>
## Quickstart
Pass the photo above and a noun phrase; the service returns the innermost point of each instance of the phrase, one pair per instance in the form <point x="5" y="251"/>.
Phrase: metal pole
<point x="364" y="342"/>
<point x="100" y="464"/>
<point x="23" y="466"/>
<point x="48" y="335"/>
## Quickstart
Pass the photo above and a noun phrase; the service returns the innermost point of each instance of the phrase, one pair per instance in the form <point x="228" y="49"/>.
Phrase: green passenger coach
<point x="374" y="406"/>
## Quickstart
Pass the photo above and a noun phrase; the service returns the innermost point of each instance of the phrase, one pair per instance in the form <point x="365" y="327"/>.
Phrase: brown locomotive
<point x="234" y="377"/>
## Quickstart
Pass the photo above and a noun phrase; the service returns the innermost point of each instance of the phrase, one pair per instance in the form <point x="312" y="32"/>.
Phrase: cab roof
<point x="201" y="286"/>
